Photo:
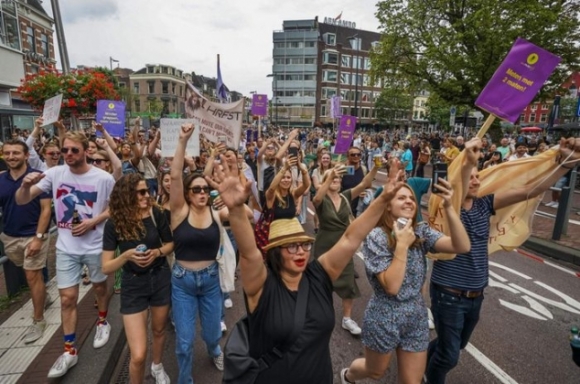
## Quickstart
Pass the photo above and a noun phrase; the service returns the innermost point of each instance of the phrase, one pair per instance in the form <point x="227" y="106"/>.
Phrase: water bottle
<point x="575" y="345"/>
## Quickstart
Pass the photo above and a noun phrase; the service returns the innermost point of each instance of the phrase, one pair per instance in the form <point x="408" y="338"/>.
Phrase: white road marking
<point x="545" y="300"/>
<point x="497" y="277"/>
<point x="311" y="212"/>
<point x="489" y="365"/>
<point x="536" y="306"/>
<point x="521" y="309"/>
<point x="569" y="271"/>
<point x="570" y="301"/>
<point x="552" y="216"/>
<point x="493" y="283"/>
<point x="510" y="270"/>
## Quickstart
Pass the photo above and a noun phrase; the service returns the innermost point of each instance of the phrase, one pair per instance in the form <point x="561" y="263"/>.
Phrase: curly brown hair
<point x="124" y="210"/>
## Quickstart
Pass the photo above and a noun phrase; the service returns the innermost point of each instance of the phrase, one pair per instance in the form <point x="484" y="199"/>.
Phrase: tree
<point x="455" y="46"/>
<point x="395" y="104"/>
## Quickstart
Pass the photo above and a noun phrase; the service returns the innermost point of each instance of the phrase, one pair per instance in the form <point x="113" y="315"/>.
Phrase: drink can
<point x="378" y="159"/>
<point x="213" y="195"/>
<point x="401" y="222"/>
<point x="141" y="248"/>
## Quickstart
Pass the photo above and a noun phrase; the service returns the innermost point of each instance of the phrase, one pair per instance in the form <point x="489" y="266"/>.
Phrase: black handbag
<point x="239" y="366"/>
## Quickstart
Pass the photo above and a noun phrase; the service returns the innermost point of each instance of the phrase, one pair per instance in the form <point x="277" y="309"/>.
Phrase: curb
<point x="98" y="365"/>
<point x="553" y="250"/>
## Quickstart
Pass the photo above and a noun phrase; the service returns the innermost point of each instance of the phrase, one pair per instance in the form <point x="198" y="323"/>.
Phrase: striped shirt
<point x="469" y="271"/>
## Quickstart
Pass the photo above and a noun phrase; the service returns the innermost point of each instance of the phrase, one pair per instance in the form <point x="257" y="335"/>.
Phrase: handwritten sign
<point x="170" y="129"/>
<point x="111" y="114"/>
<point x="517" y="80"/>
<point x="51" y="111"/>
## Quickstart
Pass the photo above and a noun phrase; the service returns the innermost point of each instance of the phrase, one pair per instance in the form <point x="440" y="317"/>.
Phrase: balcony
<point x="12" y="67"/>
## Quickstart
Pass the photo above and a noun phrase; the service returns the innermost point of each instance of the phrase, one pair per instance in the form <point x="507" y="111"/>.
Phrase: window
<point x="296" y="44"/>
<point x="327" y="93"/>
<point x="181" y="90"/>
<point x="367" y="96"/>
<point x="309" y="77"/>
<point x="329" y="75"/>
<point x="543" y="117"/>
<point x="375" y="44"/>
<point x="545" y="106"/>
<point x="136" y="88"/>
<point x="534" y="107"/>
<point x="30" y="39"/>
<point x="366" y="82"/>
<point x="323" y="110"/>
<point x="533" y="118"/>
<point x="309" y="60"/>
<point x="137" y="106"/>
<point x="9" y="32"/>
<point x="122" y="85"/>
<point x="310" y="44"/>
<point x="356" y="77"/>
<point x="365" y="113"/>
<point x="367" y="63"/>
<point x="330" y="38"/>
<point x="151" y="86"/>
<point x="44" y="45"/>
<point x="345" y="61"/>
<point x="345" y="78"/>
<point x="309" y="93"/>
<point x="279" y="45"/>
<point x="330" y="58"/>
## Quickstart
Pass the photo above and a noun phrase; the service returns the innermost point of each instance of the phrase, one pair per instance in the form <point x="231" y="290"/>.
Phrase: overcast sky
<point x="188" y="34"/>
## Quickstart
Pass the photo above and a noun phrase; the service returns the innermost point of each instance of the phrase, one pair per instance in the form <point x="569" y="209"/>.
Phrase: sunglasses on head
<point x="143" y="192"/>
<point x="197" y="189"/>
<point x="66" y="150"/>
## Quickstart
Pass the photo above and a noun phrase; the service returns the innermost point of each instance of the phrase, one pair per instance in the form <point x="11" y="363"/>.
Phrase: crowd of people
<point x="159" y="224"/>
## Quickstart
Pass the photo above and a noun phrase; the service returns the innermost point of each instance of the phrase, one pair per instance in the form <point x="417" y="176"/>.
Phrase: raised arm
<point x="110" y="142"/>
<point x="282" y="150"/>
<point x="305" y="185"/>
<point x="177" y="203"/>
<point x="28" y="190"/>
<point x="337" y="171"/>
<point x="33" y="158"/>
<point x="335" y="259"/>
<point x="113" y="158"/>
<point x="366" y="182"/>
<point x="153" y="144"/>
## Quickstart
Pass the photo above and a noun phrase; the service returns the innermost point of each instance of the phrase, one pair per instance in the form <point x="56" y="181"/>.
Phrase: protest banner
<point x="512" y="87"/>
<point x="259" y="105"/>
<point x="517" y="80"/>
<point x="215" y="119"/>
<point x="335" y="110"/>
<point x="111" y="114"/>
<point x="51" y="110"/>
<point x="345" y="134"/>
<point x="170" y="129"/>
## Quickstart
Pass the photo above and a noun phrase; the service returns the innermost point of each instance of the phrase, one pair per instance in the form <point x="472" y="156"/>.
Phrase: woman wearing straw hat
<point x="271" y="287"/>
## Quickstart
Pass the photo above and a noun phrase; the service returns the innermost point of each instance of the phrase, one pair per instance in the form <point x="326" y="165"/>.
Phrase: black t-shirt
<point x="271" y="323"/>
<point x="154" y="237"/>
<point x="351" y="181"/>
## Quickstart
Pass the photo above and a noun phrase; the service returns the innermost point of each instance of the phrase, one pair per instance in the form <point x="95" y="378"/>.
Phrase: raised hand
<point x="472" y="150"/>
<point x="39" y="122"/>
<point x="232" y="192"/>
<point x="31" y="179"/>
<point x="102" y="143"/>
<point x="186" y="131"/>
<point x="406" y="235"/>
<point x="570" y="151"/>
<point x="392" y="186"/>
<point x="445" y="191"/>
<point x="98" y="127"/>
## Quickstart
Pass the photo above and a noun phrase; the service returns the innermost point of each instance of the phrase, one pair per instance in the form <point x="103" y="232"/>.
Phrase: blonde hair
<point x="77" y="137"/>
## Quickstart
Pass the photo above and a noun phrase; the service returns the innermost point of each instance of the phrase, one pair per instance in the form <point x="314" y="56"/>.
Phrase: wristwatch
<point x="41" y="236"/>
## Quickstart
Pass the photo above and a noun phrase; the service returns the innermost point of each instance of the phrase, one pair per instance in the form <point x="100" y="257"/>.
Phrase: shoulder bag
<point x="239" y="366"/>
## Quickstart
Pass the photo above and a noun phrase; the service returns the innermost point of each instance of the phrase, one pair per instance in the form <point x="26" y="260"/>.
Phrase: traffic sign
<point x="453" y="110"/>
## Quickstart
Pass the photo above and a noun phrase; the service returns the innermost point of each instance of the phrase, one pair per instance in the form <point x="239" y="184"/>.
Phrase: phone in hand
<point x="349" y="170"/>
<point x="293" y="151"/>
<point x="439" y="171"/>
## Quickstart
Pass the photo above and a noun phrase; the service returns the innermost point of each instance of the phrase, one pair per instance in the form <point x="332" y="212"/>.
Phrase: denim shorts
<point x="148" y="289"/>
<point x="69" y="269"/>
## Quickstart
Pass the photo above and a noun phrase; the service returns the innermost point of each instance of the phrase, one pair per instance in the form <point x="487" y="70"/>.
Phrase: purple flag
<point x="345" y="133"/>
<point x="111" y="114"/>
<point x="517" y="80"/>
<point x="259" y="105"/>
<point x="221" y="89"/>
<point x="335" y="111"/>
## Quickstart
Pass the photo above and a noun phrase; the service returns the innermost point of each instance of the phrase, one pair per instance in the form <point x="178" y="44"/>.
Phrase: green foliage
<point x="455" y="46"/>
<point x="394" y="104"/>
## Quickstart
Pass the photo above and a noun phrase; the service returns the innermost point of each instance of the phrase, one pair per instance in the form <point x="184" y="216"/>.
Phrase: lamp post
<point x="111" y="61"/>
<point x="355" y="41"/>
<point x="275" y="97"/>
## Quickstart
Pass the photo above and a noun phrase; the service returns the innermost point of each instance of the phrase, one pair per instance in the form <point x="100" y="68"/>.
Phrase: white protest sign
<point x="170" y="129"/>
<point x="51" y="110"/>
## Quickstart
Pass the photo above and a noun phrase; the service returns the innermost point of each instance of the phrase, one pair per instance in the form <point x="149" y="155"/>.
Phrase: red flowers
<point x="80" y="89"/>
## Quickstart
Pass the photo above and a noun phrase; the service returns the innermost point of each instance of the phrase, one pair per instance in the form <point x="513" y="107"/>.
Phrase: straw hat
<point x="286" y="231"/>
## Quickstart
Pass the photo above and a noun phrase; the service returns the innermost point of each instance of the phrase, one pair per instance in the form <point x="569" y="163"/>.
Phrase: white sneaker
<point x="228" y="303"/>
<point x="219" y="361"/>
<point x="159" y="374"/>
<point x="549" y="204"/>
<point x="223" y="326"/>
<point x="35" y="331"/>
<point x="555" y="205"/>
<point x="351" y="326"/>
<point x="63" y="364"/>
<point x="102" y="335"/>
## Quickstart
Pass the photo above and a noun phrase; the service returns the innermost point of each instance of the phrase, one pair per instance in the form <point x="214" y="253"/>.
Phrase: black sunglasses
<point x="143" y="192"/>
<point x="66" y="150"/>
<point x="197" y="189"/>
<point x="97" y="161"/>
<point x="354" y="154"/>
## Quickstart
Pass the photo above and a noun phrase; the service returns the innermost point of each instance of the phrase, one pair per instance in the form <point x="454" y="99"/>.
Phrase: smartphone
<point x="350" y="170"/>
<point x="439" y="171"/>
<point x="293" y="152"/>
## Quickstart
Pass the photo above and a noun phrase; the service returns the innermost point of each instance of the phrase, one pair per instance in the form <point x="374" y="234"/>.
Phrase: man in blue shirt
<point x="407" y="159"/>
<point x="457" y="285"/>
<point x="25" y="229"/>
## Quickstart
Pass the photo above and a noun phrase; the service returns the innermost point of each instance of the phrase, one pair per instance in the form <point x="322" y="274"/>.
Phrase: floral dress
<point x="400" y="321"/>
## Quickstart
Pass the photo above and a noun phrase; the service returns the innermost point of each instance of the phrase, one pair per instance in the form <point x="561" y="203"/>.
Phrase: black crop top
<point x="196" y="244"/>
<point x="284" y="213"/>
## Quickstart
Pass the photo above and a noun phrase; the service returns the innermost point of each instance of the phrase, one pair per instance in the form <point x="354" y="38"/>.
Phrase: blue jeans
<point x="455" y="319"/>
<point x="193" y="292"/>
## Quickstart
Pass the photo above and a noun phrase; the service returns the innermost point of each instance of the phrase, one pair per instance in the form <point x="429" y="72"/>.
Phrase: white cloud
<point x="189" y="34"/>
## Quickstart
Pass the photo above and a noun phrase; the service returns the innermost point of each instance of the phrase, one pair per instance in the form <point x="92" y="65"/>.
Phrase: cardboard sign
<point x="51" y="111"/>
<point x="170" y="129"/>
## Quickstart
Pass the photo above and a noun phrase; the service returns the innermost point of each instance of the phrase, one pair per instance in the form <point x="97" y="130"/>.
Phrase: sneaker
<point x="228" y="303"/>
<point x="549" y="204"/>
<point x="159" y="374"/>
<point x="48" y="300"/>
<point x="431" y="322"/>
<point x="35" y="331"/>
<point x="343" y="379"/>
<point x="223" y="326"/>
<point x="555" y="205"/>
<point x="62" y="365"/>
<point x="351" y="326"/>
<point x="102" y="335"/>
<point x="219" y="361"/>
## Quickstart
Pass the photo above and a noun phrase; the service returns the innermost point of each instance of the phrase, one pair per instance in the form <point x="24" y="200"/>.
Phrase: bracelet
<point x="160" y="253"/>
<point x="400" y="258"/>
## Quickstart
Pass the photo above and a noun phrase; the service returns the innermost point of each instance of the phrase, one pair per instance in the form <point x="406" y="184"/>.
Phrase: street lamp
<point x="355" y="41"/>
<point x="275" y="95"/>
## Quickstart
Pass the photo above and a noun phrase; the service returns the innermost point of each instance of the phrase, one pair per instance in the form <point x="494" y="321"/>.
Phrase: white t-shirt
<point x="146" y="167"/>
<point x="88" y="194"/>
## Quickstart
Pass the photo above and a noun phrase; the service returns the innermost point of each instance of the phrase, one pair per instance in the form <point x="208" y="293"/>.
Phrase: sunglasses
<point x="270" y="148"/>
<point x="55" y="153"/>
<point x="198" y="189"/>
<point x="143" y="192"/>
<point x="354" y="154"/>
<point x="65" y="150"/>
<point x="97" y="161"/>
<point x="293" y="248"/>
